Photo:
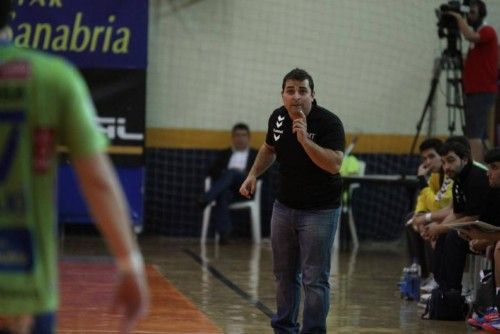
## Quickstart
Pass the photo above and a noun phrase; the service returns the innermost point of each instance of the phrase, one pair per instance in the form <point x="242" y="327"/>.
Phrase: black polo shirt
<point x="470" y="190"/>
<point x="302" y="184"/>
<point x="491" y="210"/>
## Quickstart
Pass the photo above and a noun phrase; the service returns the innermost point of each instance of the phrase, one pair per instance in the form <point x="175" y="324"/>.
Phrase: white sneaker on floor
<point x="429" y="285"/>
<point x="424" y="298"/>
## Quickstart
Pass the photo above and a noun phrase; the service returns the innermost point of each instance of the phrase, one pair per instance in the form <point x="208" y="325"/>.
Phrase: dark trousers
<point x="224" y="190"/>
<point x="419" y="250"/>
<point x="449" y="260"/>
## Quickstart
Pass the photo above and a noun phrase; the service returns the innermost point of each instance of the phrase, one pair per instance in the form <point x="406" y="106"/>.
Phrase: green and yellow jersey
<point x="44" y="102"/>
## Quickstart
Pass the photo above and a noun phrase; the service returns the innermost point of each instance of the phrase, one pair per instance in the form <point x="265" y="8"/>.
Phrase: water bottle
<point x="415" y="273"/>
<point x="404" y="283"/>
<point x="416" y="266"/>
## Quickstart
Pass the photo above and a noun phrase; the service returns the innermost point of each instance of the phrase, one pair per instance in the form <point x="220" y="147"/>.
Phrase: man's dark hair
<point x="5" y="9"/>
<point x="459" y="139"/>
<point x="481" y="8"/>
<point x="240" y="126"/>
<point x="299" y="75"/>
<point x="461" y="150"/>
<point x="431" y="143"/>
<point x="492" y="155"/>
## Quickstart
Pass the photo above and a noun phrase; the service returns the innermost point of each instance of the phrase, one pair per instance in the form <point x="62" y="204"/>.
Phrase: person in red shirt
<point x="479" y="74"/>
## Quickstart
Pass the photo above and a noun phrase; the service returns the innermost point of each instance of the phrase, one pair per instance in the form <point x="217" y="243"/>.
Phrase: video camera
<point x="447" y="24"/>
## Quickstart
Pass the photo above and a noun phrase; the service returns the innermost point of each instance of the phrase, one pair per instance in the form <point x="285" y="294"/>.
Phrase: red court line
<point x="86" y="294"/>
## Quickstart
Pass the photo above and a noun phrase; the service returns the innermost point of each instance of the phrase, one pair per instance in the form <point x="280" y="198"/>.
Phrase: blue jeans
<point x="302" y="241"/>
<point x="224" y="190"/>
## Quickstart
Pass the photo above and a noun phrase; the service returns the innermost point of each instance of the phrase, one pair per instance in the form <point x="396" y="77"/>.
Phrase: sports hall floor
<point x="230" y="289"/>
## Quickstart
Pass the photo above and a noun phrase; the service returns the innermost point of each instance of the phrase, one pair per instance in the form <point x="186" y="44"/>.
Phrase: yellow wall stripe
<point x="131" y="150"/>
<point x="216" y="139"/>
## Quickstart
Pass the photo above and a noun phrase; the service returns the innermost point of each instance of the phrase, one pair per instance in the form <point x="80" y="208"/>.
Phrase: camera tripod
<point x="451" y="63"/>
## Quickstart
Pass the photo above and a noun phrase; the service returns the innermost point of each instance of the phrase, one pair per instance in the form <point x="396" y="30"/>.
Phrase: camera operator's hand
<point x="468" y="33"/>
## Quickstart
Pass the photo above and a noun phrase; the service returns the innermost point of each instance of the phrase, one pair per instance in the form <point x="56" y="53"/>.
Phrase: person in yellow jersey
<point x="44" y="102"/>
<point x="435" y="194"/>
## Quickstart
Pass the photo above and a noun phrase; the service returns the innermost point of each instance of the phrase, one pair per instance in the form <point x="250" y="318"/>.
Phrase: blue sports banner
<point x="90" y="33"/>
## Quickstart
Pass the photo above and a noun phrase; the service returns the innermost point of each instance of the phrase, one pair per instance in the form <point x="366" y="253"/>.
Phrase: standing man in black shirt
<point x="308" y="142"/>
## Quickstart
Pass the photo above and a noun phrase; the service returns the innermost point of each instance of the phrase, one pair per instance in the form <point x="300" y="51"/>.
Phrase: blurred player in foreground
<point x="44" y="103"/>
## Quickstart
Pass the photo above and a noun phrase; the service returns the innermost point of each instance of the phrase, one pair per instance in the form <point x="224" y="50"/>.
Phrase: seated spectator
<point x="227" y="173"/>
<point x="470" y="194"/>
<point x="479" y="240"/>
<point x="434" y="195"/>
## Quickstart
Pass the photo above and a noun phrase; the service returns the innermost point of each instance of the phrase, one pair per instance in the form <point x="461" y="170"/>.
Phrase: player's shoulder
<point x="325" y="115"/>
<point x="278" y="112"/>
<point x="487" y="31"/>
<point x="48" y="64"/>
<point x="487" y="27"/>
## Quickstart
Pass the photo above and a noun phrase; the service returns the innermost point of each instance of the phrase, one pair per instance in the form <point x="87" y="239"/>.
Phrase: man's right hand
<point x="423" y="170"/>
<point x="247" y="188"/>
<point x="131" y="296"/>
<point x="419" y="220"/>
<point x="432" y="231"/>
<point x="479" y="246"/>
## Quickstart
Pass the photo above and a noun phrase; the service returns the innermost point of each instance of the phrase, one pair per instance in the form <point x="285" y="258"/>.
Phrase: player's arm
<point x="108" y="207"/>
<point x="434" y="216"/>
<point x="464" y="219"/>
<point x="455" y="217"/>
<point x="442" y="214"/>
<point x="474" y="233"/>
<point x="264" y="159"/>
<point x="325" y="158"/>
<point x="441" y="227"/>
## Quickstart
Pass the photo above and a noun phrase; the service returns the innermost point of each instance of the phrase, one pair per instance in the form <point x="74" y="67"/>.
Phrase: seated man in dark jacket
<point x="227" y="173"/>
<point x="470" y="197"/>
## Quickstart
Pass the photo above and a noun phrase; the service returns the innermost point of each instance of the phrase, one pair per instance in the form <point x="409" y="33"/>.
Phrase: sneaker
<point x="492" y="326"/>
<point x="429" y="285"/>
<point x="477" y="321"/>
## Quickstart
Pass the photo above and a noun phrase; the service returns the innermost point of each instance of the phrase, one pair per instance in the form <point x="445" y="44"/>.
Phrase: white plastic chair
<point x="252" y="204"/>
<point x="348" y="207"/>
